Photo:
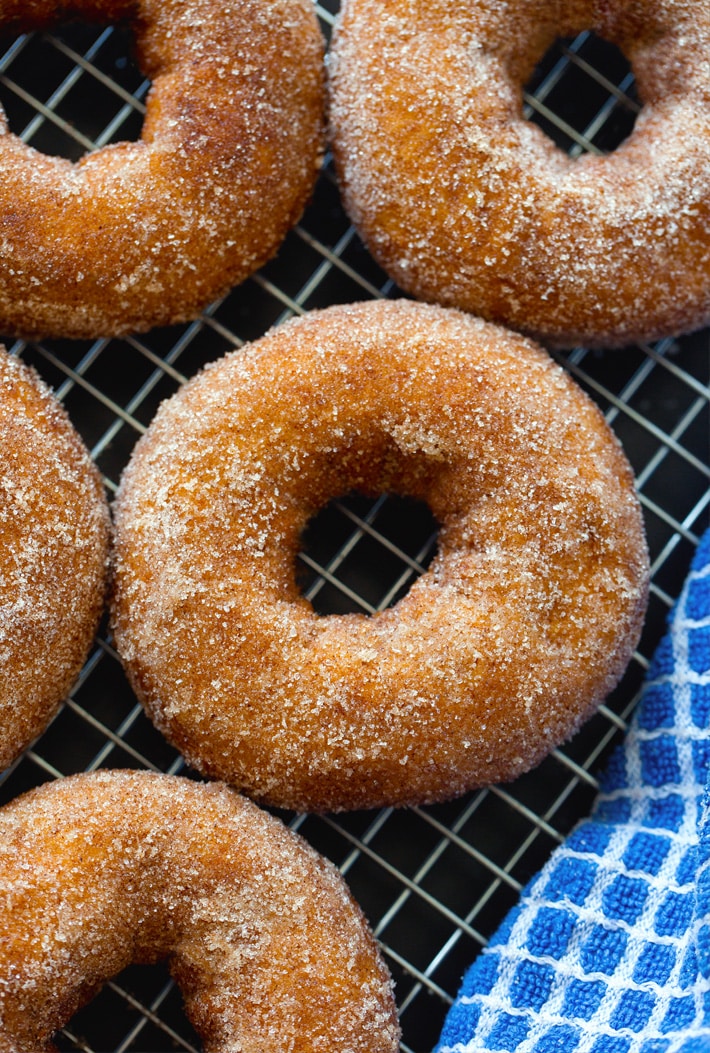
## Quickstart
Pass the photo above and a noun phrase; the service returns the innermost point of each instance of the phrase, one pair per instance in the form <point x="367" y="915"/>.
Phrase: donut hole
<point x="72" y="90"/>
<point x="127" y="1005"/>
<point x="361" y="554"/>
<point x="583" y="95"/>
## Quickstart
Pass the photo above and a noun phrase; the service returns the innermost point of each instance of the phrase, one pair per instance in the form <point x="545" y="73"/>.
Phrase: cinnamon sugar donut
<point x="524" y="621"/>
<point x="262" y="937"/>
<point x="466" y="203"/>
<point x="53" y="555"/>
<point x="139" y="234"/>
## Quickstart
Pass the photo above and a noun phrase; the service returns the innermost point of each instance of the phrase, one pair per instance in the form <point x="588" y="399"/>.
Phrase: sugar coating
<point x="270" y="951"/>
<point x="147" y="233"/>
<point x="466" y="203"/>
<point x="522" y="624"/>
<point x="53" y="555"/>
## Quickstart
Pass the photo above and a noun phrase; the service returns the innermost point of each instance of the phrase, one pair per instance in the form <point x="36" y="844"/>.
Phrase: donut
<point x="264" y="940"/>
<point x="147" y="233"/>
<point x="466" y="203"/>
<point x="522" y="623"/>
<point x="54" y="535"/>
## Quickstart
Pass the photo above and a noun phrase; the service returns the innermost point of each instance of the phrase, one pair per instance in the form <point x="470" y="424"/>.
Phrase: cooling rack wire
<point x="434" y="882"/>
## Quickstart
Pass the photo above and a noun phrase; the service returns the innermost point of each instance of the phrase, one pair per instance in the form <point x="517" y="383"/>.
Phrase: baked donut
<point x="139" y="234"/>
<point x="53" y="555"/>
<point x="466" y="203"/>
<point x="262" y="937"/>
<point x="523" y="622"/>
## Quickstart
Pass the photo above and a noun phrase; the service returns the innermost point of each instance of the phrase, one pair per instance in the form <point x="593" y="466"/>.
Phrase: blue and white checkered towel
<point x="608" y="950"/>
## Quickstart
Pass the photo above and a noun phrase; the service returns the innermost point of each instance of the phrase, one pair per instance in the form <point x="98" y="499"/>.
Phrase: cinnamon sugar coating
<point x="466" y="203"/>
<point x="53" y="555"/>
<point x="269" y="950"/>
<point x="522" y="624"/>
<point x="146" y="233"/>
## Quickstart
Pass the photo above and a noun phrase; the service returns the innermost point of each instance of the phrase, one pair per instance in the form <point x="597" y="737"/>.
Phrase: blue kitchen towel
<point x="608" y="949"/>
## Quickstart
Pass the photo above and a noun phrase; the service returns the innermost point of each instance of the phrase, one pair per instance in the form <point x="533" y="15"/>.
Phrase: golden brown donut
<point x="139" y="234"/>
<point x="523" y="622"/>
<point x="53" y="555"/>
<point x="466" y="203"/>
<point x="265" y="942"/>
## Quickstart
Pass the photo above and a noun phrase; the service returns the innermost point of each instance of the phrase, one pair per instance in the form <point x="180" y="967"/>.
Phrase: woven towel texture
<point x="608" y="949"/>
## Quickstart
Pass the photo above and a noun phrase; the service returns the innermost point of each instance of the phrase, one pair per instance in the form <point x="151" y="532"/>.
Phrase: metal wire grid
<point x="434" y="882"/>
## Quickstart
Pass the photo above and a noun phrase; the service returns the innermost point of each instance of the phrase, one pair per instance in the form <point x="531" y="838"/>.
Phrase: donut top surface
<point x="145" y="233"/>
<point x="53" y="554"/>
<point x="465" y="202"/>
<point x="263" y="938"/>
<point x="523" y="622"/>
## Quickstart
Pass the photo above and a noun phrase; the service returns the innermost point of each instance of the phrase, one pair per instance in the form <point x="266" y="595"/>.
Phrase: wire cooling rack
<point x="434" y="882"/>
